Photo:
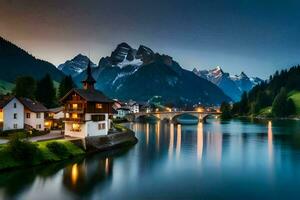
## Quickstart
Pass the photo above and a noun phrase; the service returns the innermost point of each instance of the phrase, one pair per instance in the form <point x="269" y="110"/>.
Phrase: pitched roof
<point x="5" y="100"/>
<point x="33" y="106"/>
<point x="56" y="110"/>
<point x="90" y="95"/>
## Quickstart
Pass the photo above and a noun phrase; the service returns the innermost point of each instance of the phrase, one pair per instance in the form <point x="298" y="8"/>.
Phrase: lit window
<point x="27" y="115"/>
<point x="101" y="126"/>
<point x="38" y="115"/>
<point x="74" y="115"/>
<point x="67" y="115"/>
<point x="75" y="127"/>
<point x="15" y="115"/>
<point x="74" y="106"/>
<point x="98" y="105"/>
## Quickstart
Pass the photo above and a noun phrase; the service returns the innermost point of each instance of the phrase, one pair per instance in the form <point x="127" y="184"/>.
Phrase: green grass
<point x="6" y="87"/>
<point x="45" y="155"/>
<point x="295" y="96"/>
<point x="265" y="111"/>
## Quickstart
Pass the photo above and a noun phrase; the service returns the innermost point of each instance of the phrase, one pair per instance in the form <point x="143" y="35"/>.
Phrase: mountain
<point x="15" y="62"/>
<point x="233" y="86"/>
<point x="140" y="74"/>
<point x="76" y="65"/>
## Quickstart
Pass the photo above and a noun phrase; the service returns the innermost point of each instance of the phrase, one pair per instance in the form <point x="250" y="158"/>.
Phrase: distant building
<point x="122" y="112"/>
<point x="133" y="106"/>
<point x="20" y="113"/>
<point x="87" y="111"/>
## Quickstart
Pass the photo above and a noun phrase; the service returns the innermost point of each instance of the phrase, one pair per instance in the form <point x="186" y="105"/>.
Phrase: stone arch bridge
<point x="202" y="116"/>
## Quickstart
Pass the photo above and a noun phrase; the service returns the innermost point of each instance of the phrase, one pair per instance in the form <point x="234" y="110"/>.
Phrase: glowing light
<point x="106" y="166"/>
<point x="171" y="144"/>
<point x="74" y="115"/>
<point x="147" y="134"/>
<point x="74" y="106"/>
<point x="74" y="174"/>
<point x="47" y="123"/>
<point x="270" y="141"/>
<point x="75" y="127"/>
<point x="200" y="109"/>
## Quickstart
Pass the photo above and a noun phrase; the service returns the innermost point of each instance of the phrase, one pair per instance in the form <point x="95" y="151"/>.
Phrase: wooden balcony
<point x="72" y="110"/>
<point x="77" y="120"/>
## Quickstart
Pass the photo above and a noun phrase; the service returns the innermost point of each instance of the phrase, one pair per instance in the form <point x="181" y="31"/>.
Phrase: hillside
<point x="15" y="62"/>
<point x="295" y="96"/>
<point x="6" y="87"/>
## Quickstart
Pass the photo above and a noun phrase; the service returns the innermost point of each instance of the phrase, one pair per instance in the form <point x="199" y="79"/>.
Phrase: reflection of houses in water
<point x="82" y="178"/>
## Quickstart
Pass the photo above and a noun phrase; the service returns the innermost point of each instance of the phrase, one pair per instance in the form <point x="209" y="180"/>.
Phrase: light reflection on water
<point x="215" y="160"/>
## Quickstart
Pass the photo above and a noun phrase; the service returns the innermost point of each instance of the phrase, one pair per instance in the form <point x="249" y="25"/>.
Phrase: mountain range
<point x="233" y="86"/>
<point x="141" y="74"/>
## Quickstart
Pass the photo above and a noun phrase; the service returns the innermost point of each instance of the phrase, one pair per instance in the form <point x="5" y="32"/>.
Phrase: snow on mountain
<point x="76" y="65"/>
<point x="232" y="85"/>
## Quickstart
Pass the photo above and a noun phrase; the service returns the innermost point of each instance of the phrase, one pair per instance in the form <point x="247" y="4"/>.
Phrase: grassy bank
<point x="44" y="154"/>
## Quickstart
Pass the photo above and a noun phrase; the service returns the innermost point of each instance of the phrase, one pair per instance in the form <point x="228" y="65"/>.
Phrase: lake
<point x="238" y="159"/>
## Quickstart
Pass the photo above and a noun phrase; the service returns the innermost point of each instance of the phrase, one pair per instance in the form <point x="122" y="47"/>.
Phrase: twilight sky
<point x="255" y="36"/>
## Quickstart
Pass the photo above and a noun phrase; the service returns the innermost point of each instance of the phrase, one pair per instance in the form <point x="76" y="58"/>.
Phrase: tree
<point x="65" y="86"/>
<point x="282" y="106"/>
<point x="25" y="87"/>
<point x="244" y="107"/>
<point x="45" y="91"/>
<point x="226" y="110"/>
<point x="290" y="107"/>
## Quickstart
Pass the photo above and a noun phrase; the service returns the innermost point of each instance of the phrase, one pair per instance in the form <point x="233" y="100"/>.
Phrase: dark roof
<point x="4" y="100"/>
<point x="90" y="95"/>
<point x="56" y="110"/>
<point x="33" y="106"/>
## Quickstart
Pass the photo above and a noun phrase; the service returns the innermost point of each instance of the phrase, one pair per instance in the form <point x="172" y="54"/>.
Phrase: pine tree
<point x="45" y="91"/>
<point x="65" y="86"/>
<point x="244" y="107"/>
<point x="25" y="87"/>
<point x="226" y="110"/>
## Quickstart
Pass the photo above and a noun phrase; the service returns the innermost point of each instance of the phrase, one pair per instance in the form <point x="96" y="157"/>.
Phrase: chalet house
<point x="20" y="113"/>
<point x="122" y="112"/>
<point x="54" y="118"/>
<point x="133" y="106"/>
<point x="87" y="111"/>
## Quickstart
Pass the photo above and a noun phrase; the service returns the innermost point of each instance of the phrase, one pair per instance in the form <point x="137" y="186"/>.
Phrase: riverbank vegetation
<point x="279" y="97"/>
<point x="20" y="152"/>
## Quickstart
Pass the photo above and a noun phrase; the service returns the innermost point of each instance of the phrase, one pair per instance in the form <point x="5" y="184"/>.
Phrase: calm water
<point x="233" y="160"/>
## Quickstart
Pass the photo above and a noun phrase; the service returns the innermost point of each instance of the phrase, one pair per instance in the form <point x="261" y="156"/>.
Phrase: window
<point x="15" y="105"/>
<point x="28" y="115"/>
<point x="101" y="126"/>
<point x="15" y="115"/>
<point x="96" y="118"/>
<point x="38" y="115"/>
<point x="67" y="115"/>
<point x="74" y="106"/>
<point x="38" y="126"/>
<point x="76" y="127"/>
<point x="98" y="105"/>
<point x="74" y="115"/>
<point x="15" y="126"/>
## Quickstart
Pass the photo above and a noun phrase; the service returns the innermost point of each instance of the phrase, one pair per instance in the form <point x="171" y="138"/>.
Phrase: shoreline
<point x="76" y="148"/>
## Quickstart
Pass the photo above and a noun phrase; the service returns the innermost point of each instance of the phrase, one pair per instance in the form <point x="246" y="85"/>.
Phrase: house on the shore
<point x="122" y="112"/>
<point x="54" y="118"/>
<point x="87" y="111"/>
<point x="19" y="113"/>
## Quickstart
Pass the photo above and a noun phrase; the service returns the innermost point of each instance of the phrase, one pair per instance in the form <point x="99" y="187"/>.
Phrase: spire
<point x="89" y="82"/>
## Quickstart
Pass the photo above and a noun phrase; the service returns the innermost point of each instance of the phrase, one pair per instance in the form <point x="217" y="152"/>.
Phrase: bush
<point x="21" y="149"/>
<point x="58" y="149"/>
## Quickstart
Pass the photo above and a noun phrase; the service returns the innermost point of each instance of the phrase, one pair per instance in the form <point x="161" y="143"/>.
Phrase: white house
<point x="87" y="111"/>
<point x="34" y="114"/>
<point x="20" y="113"/>
<point x="11" y="114"/>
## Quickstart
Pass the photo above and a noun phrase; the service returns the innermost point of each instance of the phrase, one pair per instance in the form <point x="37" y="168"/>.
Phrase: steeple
<point x="89" y="82"/>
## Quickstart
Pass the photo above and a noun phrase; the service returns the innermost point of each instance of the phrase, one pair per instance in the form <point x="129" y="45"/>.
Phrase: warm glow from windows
<point x="74" y="115"/>
<point x="98" y="105"/>
<point x="67" y="115"/>
<point x="199" y="109"/>
<point x="1" y="116"/>
<point x="74" y="106"/>
<point x="75" y="127"/>
<point x="47" y="123"/>
<point x="74" y="174"/>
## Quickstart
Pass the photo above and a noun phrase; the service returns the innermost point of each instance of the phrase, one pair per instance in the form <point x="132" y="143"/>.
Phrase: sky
<point x="254" y="36"/>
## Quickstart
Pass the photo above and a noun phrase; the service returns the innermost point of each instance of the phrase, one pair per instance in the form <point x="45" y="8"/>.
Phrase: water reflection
<point x="233" y="158"/>
<point x="199" y="140"/>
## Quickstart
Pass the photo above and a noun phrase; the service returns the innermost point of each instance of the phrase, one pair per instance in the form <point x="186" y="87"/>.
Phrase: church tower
<point x="88" y="83"/>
